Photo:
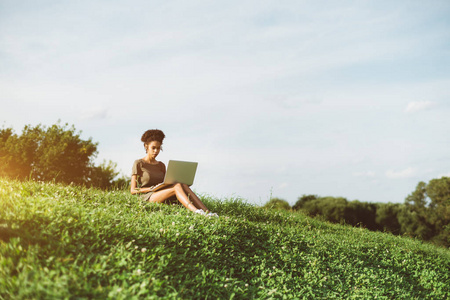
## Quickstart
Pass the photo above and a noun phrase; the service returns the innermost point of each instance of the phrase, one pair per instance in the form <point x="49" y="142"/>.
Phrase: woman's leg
<point x="193" y="197"/>
<point x="175" y="190"/>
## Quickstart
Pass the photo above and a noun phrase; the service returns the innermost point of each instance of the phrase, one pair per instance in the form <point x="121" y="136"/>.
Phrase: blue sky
<point x="333" y="98"/>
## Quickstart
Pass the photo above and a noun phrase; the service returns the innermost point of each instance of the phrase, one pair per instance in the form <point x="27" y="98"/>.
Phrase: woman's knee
<point x="178" y="186"/>
<point x="162" y="195"/>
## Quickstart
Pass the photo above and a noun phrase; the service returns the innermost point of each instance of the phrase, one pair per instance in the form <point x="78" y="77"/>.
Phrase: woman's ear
<point x="145" y="147"/>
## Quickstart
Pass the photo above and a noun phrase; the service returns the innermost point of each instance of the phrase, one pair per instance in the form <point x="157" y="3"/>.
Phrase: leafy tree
<point x="387" y="217"/>
<point x="17" y="153"/>
<point x="276" y="203"/>
<point x="438" y="190"/>
<point x="329" y="208"/>
<point x="417" y="199"/>
<point x="102" y="176"/>
<point x="427" y="212"/>
<point x="333" y="209"/>
<point x="338" y="210"/>
<point x="303" y="200"/>
<point x="414" y="219"/>
<point x="415" y="224"/>
<point x="52" y="153"/>
<point x="361" y="214"/>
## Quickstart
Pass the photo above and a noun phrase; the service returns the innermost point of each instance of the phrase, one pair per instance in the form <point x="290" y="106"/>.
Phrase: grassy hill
<point x="69" y="242"/>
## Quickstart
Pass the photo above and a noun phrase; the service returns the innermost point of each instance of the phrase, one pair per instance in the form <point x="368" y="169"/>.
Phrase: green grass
<point x="69" y="242"/>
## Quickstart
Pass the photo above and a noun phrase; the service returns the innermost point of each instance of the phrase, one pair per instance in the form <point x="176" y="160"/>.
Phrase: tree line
<point x="55" y="153"/>
<point x="425" y="214"/>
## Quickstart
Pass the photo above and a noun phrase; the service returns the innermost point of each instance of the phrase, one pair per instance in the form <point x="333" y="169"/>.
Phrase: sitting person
<point x="148" y="172"/>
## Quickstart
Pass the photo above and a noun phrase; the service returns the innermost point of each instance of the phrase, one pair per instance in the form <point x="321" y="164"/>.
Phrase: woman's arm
<point x="134" y="189"/>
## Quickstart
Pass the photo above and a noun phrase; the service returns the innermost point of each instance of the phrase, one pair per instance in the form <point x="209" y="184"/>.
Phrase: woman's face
<point x="153" y="149"/>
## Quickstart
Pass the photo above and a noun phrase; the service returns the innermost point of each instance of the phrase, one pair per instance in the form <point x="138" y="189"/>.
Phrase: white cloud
<point x="416" y="106"/>
<point x="406" y="173"/>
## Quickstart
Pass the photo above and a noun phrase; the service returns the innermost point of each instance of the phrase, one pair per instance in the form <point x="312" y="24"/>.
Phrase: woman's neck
<point x="150" y="160"/>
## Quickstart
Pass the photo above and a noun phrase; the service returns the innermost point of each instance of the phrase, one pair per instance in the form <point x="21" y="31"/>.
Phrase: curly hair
<point x="153" y="135"/>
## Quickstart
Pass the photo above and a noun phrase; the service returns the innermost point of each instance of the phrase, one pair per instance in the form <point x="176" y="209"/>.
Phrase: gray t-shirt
<point x="148" y="175"/>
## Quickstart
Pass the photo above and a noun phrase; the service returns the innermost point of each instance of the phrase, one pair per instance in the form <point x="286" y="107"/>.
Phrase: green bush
<point x="56" y="153"/>
<point x="276" y="203"/>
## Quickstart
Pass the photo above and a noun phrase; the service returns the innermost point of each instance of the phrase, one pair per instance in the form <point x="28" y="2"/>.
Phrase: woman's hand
<point x="134" y="189"/>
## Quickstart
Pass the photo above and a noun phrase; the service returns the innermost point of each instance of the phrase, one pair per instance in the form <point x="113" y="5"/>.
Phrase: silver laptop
<point x="178" y="172"/>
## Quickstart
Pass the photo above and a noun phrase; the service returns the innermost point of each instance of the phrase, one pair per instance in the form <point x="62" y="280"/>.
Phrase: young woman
<point x="148" y="172"/>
